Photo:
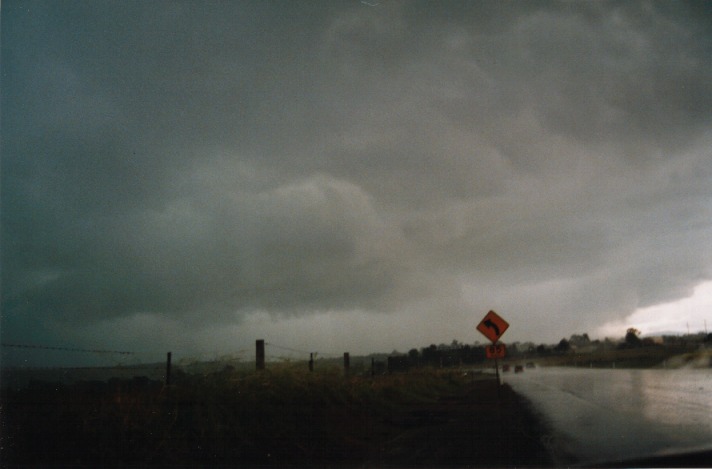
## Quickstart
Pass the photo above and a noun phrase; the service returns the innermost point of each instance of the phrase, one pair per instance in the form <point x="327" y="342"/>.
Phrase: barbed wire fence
<point x="138" y="354"/>
<point x="129" y="366"/>
<point x="102" y="358"/>
<point x="301" y="352"/>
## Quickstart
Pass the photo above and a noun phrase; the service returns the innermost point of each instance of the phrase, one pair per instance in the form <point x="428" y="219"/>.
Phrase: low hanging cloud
<point x="209" y="163"/>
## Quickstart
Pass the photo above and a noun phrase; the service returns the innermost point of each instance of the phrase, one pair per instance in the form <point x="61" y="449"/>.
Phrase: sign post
<point x="493" y="326"/>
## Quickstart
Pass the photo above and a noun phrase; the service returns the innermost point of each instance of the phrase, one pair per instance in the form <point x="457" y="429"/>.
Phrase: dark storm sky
<point x="342" y="176"/>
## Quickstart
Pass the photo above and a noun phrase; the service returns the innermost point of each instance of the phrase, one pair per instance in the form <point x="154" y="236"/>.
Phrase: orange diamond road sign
<point x="496" y="351"/>
<point x="492" y="326"/>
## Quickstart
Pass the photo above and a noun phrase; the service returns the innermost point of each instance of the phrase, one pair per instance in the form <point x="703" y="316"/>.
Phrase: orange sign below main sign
<point x="492" y="326"/>
<point x="496" y="351"/>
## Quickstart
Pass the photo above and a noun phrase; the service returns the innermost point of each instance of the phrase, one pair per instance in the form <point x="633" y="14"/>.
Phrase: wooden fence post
<point x="311" y="361"/>
<point x="168" y="369"/>
<point x="260" y="354"/>
<point x="347" y="363"/>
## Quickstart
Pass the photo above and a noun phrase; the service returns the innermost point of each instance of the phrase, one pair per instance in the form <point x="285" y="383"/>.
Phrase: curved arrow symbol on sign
<point x="492" y="325"/>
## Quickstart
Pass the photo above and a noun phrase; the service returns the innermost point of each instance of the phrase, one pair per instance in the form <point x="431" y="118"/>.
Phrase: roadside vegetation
<point x="434" y="406"/>
<point x="282" y="416"/>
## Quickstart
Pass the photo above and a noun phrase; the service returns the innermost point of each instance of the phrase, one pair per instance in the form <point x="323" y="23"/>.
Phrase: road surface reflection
<point x="618" y="415"/>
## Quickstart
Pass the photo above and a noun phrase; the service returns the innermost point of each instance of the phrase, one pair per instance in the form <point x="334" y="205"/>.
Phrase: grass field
<point x="280" y="417"/>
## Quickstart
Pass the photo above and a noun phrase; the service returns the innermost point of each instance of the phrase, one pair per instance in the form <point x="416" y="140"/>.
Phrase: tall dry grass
<point x="283" y="415"/>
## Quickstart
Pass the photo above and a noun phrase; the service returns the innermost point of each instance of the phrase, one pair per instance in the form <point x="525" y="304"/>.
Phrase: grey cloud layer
<point x="211" y="160"/>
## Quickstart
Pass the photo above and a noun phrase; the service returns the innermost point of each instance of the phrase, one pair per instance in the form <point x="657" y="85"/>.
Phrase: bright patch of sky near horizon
<point x="687" y="315"/>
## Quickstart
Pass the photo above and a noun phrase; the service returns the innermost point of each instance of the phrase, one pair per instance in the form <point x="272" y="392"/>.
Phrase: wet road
<point x="617" y="415"/>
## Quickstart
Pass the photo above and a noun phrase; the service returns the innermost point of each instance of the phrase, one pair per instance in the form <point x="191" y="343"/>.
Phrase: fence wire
<point x="134" y="354"/>
<point x="68" y="349"/>
<point x="305" y="352"/>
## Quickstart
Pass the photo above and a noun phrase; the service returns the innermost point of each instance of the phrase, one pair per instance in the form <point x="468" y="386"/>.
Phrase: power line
<point x="67" y="349"/>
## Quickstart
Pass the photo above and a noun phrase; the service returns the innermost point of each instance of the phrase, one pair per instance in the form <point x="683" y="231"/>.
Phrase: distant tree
<point x="563" y="346"/>
<point x="609" y="343"/>
<point x="513" y="349"/>
<point x="431" y="354"/>
<point x="413" y="355"/>
<point x="579" y="340"/>
<point x="467" y="354"/>
<point x="542" y="349"/>
<point x="632" y="339"/>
